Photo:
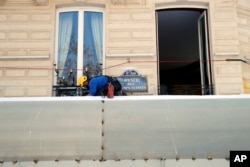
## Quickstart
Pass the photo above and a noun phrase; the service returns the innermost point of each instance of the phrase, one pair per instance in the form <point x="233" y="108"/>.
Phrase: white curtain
<point x="93" y="42"/>
<point x="97" y="30"/>
<point x="65" y="30"/>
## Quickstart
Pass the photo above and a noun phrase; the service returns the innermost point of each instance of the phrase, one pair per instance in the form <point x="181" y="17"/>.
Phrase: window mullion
<point x="80" y="45"/>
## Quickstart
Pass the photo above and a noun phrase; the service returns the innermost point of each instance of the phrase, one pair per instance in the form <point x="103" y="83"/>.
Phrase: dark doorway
<point x="184" y="61"/>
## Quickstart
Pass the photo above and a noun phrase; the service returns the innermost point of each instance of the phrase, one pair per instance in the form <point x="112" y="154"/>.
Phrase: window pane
<point x="93" y="42"/>
<point x="67" y="47"/>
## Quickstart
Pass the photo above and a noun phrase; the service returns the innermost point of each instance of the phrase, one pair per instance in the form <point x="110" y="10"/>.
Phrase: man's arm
<point x="92" y="88"/>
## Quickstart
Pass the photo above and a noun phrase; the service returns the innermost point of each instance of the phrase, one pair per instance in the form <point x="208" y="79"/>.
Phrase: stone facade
<point x="27" y="40"/>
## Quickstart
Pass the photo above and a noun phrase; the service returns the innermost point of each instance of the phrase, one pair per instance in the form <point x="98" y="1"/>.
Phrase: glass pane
<point x="67" y="48"/>
<point x="93" y="43"/>
<point x="204" y="57"/>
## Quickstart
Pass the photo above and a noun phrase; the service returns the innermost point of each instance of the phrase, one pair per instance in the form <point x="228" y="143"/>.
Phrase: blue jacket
<point x="96" y="84"/>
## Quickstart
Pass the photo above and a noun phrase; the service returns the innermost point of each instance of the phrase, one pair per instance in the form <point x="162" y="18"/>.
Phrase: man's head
<point x="83" y="80"/>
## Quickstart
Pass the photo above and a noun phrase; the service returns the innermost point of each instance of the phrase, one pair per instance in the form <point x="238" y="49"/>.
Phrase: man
<point x="97" y="85"/>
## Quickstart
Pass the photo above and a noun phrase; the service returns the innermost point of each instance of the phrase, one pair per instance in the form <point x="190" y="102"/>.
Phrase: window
<point x="79" y="45"/>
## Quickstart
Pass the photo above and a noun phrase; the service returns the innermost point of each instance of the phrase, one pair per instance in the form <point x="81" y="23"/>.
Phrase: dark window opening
<point x="184" y="63"/>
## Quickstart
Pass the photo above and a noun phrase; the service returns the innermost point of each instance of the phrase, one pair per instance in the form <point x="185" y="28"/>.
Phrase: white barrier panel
<point x="50" y="128"/>
<point x="124" y="163"/>
<point x="123" y="128"/>
<point x="176" y="127"/>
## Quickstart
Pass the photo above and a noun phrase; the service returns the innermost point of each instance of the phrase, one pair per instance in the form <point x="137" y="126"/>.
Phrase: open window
<point x="205" y="62"/>
<point x="184" y="64"/>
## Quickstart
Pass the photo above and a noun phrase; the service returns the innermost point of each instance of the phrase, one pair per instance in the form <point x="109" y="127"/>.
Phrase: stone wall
<point x="225" y="43"/>
<point x="131" y="38"/>
<point x="27" y="39"/>
<point x="243" y="14"/>
<point x="26" y="48"/>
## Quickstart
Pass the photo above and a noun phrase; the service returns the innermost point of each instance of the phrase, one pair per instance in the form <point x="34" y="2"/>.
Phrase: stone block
<point x="229" y="89"/>
<point x="41" y="2"/>
<point x="40" y="35"/>
<point x="38" y="91"/>
<point x="2" y="35"/>
<point x="143" y="34"/>
<point x="19" y="17"/>
<point x="142" y="16"/>
<point x="228" y="70"/>
<point x="17" y="53"/>
<point x="3" y="17"/>
<point x="39" y="52"/>
<point x="43" y="17"/>
<point x="227" y="80"/>
<point x="15" y="72"/>
<point x="226" y="33"/>
<point x="119" y="34"/>
<point x="14" y="91"/>
<point x="42" y="72"/>
<point x="117" y="16"/>
<point x="18" y="35"/>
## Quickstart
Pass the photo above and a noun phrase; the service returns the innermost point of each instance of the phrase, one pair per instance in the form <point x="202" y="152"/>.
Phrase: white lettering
<point x="237" y="158"/>
<point x="240" y="158"/>
<point x="243" y="157"/>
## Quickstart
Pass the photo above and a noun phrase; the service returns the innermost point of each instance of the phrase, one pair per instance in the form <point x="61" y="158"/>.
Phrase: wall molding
<point x="130" y="55"/>
<point x="35" y="2"/>
<point x="128" y="2"/>
<point x="181" y="3"/>
<point x="227" y="54"/>
<point x="24" y="57"/>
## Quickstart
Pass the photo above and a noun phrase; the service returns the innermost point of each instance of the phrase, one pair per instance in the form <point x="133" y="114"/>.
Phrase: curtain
<point x="65" y="31"/>
<point x="96" y="24"/>
<point x="93" y="42"/>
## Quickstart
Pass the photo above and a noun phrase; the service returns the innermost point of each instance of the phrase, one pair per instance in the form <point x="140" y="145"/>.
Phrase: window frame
<point x="80" y="47"/>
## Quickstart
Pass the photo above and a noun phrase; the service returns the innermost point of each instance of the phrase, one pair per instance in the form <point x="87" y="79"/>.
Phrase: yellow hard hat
<point x="82" y="80"/>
